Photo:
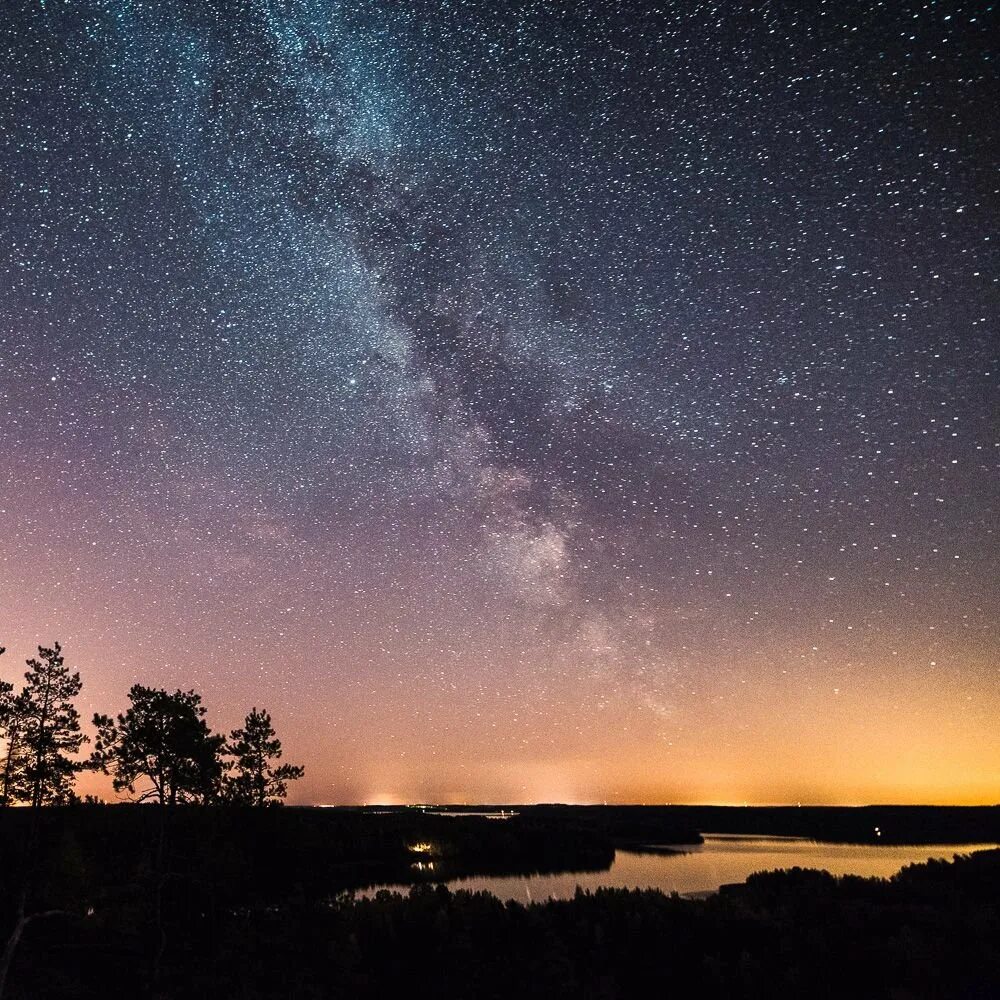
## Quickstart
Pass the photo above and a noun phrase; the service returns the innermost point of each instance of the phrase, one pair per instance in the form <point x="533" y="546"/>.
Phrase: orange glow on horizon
<point x="759" y="731"/>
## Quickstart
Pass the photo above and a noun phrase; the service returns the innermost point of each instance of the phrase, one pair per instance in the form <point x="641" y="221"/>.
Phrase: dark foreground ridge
<point x="248" y="905"/>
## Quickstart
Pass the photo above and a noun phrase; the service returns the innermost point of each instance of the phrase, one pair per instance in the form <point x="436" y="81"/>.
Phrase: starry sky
<point x="524" y="402"/>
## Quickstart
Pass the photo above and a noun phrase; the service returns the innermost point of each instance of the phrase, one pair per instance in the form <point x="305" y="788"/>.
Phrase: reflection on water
<point x="721" y="859"/>
<point x="492" y="814"/>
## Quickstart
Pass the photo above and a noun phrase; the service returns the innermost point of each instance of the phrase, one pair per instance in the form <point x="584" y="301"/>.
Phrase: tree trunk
<point x="161" y="878"/>
<point x="12" y="942"/>
<point x="36" y="792"/>
<point x="12" y="741"/>
<point x="15" y="938"/>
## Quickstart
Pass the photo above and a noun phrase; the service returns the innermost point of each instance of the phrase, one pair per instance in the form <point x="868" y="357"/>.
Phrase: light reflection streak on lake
<point x="720" y="860"/>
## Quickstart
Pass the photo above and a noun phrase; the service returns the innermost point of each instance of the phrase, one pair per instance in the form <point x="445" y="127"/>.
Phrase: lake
<point x="723" y="858"/>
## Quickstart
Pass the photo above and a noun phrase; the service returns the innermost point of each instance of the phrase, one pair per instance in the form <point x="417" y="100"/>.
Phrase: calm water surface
<point x="721" y="859"/>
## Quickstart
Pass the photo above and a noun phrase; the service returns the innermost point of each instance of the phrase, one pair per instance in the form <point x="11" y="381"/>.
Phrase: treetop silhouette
<point x="163" y="738"/>
<point x="252" y="778"/>
<point x="40" y="727"/>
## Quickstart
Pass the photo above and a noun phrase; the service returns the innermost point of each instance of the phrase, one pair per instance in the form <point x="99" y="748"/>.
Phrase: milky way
<point x="521" y="401"/>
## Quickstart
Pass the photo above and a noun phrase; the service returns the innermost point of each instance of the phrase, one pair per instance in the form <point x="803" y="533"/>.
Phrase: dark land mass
<point x="631" y="825"/>
<point x="262" y="854"/>
<point x="250" y="903"/>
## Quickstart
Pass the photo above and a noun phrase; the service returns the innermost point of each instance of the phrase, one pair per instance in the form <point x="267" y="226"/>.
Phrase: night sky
<point x="523" y="402"/>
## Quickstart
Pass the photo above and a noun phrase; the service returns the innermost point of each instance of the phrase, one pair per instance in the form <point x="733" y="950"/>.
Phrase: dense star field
<point x="522" y="402"/>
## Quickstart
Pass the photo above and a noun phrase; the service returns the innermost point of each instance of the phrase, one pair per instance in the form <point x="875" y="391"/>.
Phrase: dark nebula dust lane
<point x="522" y="402"/>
